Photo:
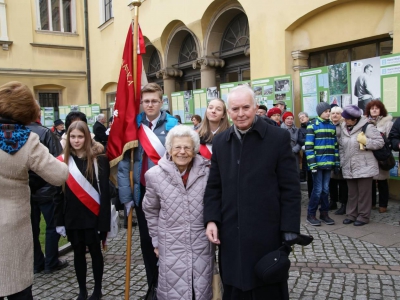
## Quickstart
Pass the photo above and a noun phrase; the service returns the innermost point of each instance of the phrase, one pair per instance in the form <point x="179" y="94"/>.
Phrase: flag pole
<point x="135" y="36"/>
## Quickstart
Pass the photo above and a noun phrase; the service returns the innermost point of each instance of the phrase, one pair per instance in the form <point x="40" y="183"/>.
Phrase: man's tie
<point x="145" y="164"/>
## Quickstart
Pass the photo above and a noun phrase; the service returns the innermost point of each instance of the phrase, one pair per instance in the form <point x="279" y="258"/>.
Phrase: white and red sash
<point x="81" y="187"/>
<point x="206" y="151"/>
<point x="150" y="143"/>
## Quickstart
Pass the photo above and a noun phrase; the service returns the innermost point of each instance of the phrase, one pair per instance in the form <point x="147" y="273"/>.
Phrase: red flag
<point x="123" y="133"/>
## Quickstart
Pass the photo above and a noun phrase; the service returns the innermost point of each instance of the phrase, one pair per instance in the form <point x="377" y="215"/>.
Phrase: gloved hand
<point x="289" y="237"/>
<point x="336" y="170"/>
<point x="61" y="231"/>
<point x="361" y="138"/>
<point x="303" y="148"/>
<point x="128" y="206"/>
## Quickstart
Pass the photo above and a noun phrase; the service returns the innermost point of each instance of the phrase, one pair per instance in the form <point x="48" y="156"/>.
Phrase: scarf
<point x="13" y="137"/>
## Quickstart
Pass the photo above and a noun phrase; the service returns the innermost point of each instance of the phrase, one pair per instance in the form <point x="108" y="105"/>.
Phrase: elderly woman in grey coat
<point x="358" y="163"/>
<point x="173" y="205"/>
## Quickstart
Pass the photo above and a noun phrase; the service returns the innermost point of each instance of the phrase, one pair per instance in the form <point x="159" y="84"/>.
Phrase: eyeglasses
<point x="179" y="148"/>
<point x="148" y="102"/>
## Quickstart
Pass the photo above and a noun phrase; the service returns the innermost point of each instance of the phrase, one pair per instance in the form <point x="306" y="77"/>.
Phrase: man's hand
<point x="128" y="206"/>
<point x="156" y="251"/>
<point x="61" y="231"/>
<point x="212" y="233"/>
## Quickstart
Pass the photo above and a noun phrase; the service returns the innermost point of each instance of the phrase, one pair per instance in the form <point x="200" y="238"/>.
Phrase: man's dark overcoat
<point x="253" y="195"/>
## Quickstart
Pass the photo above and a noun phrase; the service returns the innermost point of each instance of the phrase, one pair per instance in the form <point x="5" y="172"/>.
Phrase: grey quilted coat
<point x="174" y="216"/>
<point x="356" y="163"/>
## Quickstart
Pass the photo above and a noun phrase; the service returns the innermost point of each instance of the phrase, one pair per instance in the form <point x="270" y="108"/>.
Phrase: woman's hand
<point x="212" y="233"/>
<point x="156" y="251"/>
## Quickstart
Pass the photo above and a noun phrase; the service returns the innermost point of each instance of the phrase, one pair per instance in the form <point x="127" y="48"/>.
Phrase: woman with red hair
<point x="377" y="115"/>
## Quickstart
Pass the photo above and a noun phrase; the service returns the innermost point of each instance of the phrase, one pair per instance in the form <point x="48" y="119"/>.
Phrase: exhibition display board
<point x="90" y="110"/>
<point x="390" y="83"/>
<point x="226" y="87"/>
<point x="47" y="116"/>
<point x="272" y="89"/>
<point x="325" y="84"/>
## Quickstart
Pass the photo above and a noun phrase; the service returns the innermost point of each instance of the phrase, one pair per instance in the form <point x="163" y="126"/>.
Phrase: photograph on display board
<point x="282" y="85"/>
<point x="346" y="100"/>
<point x="309" y="84"/>
<point x="280" y="97"/>
<point x="337" y="75"/>
<point x="365" y="81"/>
<point x="212" y="93"/>
<point x="268" y="90"/>
<point x="165" y="100"/>
<point x="187" y="94"/>
<point x="323" y="96"/>
<point x="74" y="107"/>
<point x="257" y="90"/>
<point x="335" y="100"/>
<point x="187" y="107"/>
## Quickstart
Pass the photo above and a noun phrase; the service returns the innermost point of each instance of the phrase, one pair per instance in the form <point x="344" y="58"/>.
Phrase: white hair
<point x="244" y="88"/>
<point x="182" y="131"/>
<point x="302" y="113"/>
<point x="99" y="117"/>
<point x="336" y="109"/>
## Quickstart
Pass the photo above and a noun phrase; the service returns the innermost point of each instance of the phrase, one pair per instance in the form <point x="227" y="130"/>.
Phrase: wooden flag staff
<point x="135" y="35"/>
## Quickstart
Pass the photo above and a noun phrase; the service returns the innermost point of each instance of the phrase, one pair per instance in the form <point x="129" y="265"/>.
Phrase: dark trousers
<point x="149" y="257"/>
<point x="278" y="291"/>
<point x="383" y="188"/>
<point x="25" y="294"/>
<point x="310" y="184"/>
<point x="49" y="261"/>
<point x="338" y="190"/>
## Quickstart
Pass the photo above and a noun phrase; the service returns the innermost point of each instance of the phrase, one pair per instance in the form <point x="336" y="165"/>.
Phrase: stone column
<point x="168" y="75"/>
<point x="207" y="70"/>
<point x="300" y="62"/>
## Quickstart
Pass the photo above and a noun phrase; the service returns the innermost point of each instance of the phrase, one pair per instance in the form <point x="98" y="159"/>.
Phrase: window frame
<point x="102" y="11"/>
<point x="62" y="30"/>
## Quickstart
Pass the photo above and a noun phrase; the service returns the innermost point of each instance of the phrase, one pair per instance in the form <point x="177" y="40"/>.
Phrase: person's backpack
<point x="384" y="155"/>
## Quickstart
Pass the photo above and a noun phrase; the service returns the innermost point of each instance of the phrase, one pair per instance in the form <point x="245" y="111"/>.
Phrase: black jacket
<point x="73" y="214"/>
<point x="99" y="131"/>
<point x="302" y="133"/>
<point x="41" y="191"/>
<point x="394" y="135"/>
<point x="253" y="195"/>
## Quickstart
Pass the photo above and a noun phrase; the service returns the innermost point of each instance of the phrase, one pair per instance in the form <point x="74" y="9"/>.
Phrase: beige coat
<point x="356" y="163"/>
<point x="384" y="124"/>
<point x="16" y="241"/>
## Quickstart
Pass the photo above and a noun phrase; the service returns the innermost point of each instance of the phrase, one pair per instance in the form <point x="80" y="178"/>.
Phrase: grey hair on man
<point x="302" y="113"/>
<point x="182" y="131"/>
<point x="99" y="117"/>
<point x="244" y="89"/>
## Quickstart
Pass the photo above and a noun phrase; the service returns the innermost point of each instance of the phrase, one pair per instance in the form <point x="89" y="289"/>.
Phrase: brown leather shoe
<point x="382" y="210"/>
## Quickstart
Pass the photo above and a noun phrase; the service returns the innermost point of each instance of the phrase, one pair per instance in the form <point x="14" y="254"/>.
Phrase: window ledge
<point x="106" y="24"/>
<point x="56" y="33"/>
<point x="57" y="46"/>
<point x="5" y="44"/>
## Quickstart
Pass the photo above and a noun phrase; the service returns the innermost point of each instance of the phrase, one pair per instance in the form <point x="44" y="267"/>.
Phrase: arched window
<point x="188" y="50"/>
<point x="154" y="63"/>
<point x="236" y="34"/>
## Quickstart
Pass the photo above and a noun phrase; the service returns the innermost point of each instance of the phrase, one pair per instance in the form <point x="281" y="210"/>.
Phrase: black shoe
<point x="95" y="297"/>
<point x="82" y="296"/>
<point x="341" y="211"/>
<point x="312" y="220"/>
<point x="61" y="265"/>
<point x="38" y="270"/>
<point x="332" y="205"/>
<point x="347" y="221"/>
<point x="359" y="223"/>
<point x="324" y="217"/>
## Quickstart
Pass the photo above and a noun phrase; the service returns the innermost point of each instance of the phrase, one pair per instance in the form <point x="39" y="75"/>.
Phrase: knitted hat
<point x="321" y="107"/>
<point x="273" y="111"/>
<point x="351" y="112"/>
<point x="287" y="114"/>
<point x="58" y="122"/>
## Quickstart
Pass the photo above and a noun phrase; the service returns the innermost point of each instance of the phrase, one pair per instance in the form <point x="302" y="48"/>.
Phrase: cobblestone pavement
<point x="342" y="263"/>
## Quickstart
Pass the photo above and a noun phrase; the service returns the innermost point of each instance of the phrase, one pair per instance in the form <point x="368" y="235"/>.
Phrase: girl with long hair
<point x="215" y="121"/>
<point x="84" y="215"/>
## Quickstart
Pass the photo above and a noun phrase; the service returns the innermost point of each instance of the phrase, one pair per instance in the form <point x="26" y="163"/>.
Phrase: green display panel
<point x="390" y="83"/>
<point x="90" y="110"/>
<point x="325" y="84"/>
<point x="226" y="87"/>
<point x="47" y="118"/>
<point x="272" y="89"/>
<point x="201" y="98"/>
<point x="183" y="105"/>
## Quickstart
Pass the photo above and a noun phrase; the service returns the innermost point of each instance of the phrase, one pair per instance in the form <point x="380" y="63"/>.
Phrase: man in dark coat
<point x="42" y="202"/>
<point x="252" y="198"/>
<point x="99" y="130"/>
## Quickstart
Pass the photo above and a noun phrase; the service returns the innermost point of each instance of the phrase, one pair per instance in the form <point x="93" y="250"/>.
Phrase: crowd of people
<point x="205" y="190"/>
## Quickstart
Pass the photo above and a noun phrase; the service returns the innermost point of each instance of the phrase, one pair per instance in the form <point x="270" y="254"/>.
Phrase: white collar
<point x="154" y="122"/>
